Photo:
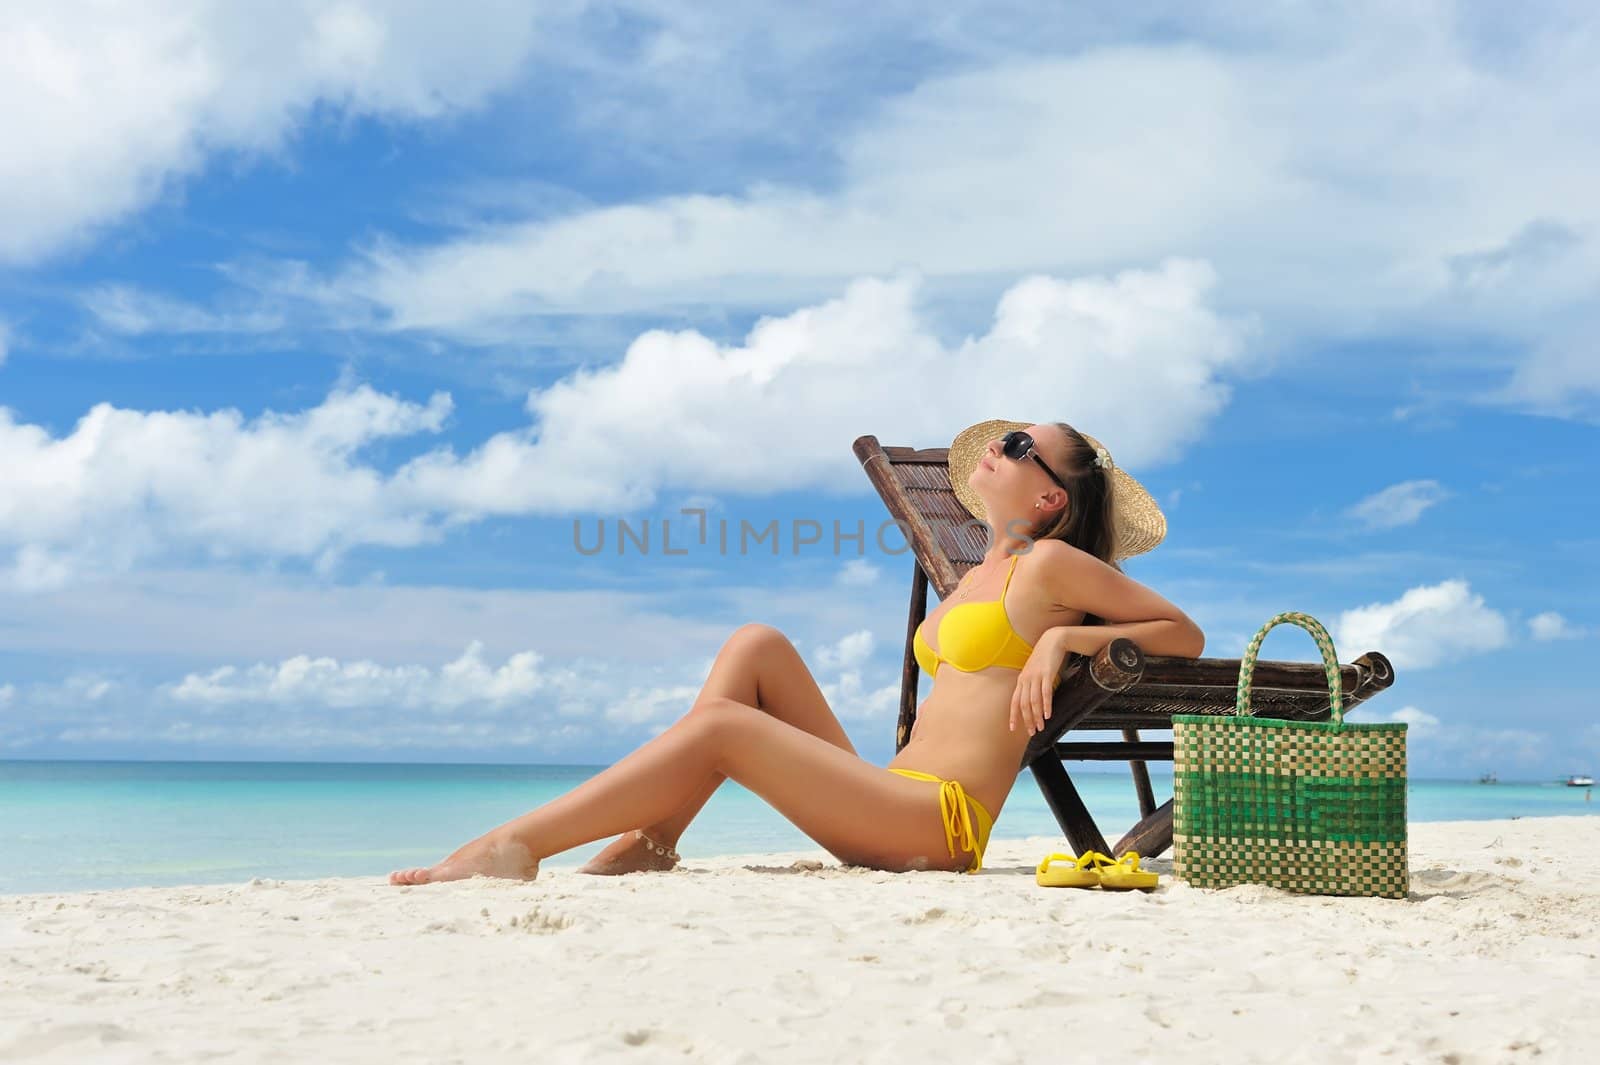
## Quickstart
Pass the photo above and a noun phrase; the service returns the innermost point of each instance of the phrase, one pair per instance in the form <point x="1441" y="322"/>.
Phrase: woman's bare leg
<point x="858" y="812"/>
<point x="759" y="667"/>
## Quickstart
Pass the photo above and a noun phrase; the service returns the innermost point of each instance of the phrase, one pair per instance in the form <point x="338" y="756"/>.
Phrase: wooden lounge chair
<point x="1120" y="689"/>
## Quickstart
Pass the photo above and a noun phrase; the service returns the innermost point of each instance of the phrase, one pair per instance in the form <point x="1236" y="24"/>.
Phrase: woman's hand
<point x="1036" y="682"/>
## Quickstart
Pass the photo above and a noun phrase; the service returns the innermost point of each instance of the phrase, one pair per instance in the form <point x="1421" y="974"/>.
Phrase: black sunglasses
<point x="1018" y="445"/>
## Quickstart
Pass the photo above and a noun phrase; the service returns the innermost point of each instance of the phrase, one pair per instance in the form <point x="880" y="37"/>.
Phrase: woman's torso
<point x="961" y="727"/>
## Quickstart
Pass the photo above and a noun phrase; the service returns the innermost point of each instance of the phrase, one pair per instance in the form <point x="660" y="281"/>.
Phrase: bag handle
<point x="1330" y="661"/>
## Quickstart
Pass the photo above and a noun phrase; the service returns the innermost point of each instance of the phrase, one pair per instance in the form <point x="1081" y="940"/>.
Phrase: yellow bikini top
<point x="974" y="636"/>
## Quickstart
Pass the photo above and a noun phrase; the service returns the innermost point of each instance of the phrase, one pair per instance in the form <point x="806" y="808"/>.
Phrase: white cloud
<point x="659" y="706"/>
<point x="849" y="652"/>
<point x="1497" y="747"/>
<point x="1552" y="626"/>
<point x="323" y="681"/>
<point x="840" y="667"/>
<point x="1418" y="720"/>
<point x="1401" y="200"/>
<point x="317" y="702"/>
<point x="815" y="378"/>
<point x="1346" y="210"/>
<point x="1561" y="376"/>
<point x="677" y="411"/>
<point x="1421" y="724"/>
<point x="1522" y="747"/>
<point x="1399" y="504"/>
<point x="125" y="484"/>
<point x="133" y="312"/>
<point x="312" y="703"/>
<point x="35" y="569"/>
<point x="858" y="572"/>
<point x="852" y="699"/>
<point x="86" y="688"/>
<point x="1427" y="626"/>
<point x="1457" y="746"/>
<point x="114" y="101"/>
<point x="220" y="614"/>
<point x="159" y="626"/>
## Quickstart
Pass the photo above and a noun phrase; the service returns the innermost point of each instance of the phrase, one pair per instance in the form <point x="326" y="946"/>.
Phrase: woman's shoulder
<point x="1049" y="572"/>
<point x="1059" y="568"/>
<point x="1049" y="567"/>
<point x="1060" y="557"/>
<point x="1055" y="554"/>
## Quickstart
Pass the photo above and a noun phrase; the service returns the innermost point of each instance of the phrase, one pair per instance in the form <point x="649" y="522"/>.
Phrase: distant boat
<point x="1581" y="780"/>
<point x="1489" y="778"/>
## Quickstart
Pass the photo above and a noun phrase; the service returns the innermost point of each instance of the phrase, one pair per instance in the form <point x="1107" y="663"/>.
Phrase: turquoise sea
<point x="73" y="826"/>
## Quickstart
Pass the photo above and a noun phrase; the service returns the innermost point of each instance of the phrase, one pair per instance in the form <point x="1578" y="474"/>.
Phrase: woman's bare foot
<point x="485" y="856"/>
<point x="628" y="854"/>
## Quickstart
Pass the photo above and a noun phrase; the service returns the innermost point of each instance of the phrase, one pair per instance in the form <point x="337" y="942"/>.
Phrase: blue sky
<point x="321" y="325"/>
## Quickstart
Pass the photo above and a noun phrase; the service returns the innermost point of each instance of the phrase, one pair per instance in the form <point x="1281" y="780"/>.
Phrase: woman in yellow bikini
<point x="1061" y="514"/>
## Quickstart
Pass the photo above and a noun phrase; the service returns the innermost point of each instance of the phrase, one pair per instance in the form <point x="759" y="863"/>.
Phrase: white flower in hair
<point x="1102" y="457"/>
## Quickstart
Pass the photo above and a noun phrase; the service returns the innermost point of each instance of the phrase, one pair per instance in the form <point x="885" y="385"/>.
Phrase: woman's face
<point x="1008" y="486"/>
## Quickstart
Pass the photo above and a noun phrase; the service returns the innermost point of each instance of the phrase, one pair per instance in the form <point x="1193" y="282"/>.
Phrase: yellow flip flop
<point x="1124" y="874"/>
<point x="1073" y="872"/>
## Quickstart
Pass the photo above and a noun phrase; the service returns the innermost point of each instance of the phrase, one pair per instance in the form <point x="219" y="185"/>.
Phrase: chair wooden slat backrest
<point x="1120" y="689"/>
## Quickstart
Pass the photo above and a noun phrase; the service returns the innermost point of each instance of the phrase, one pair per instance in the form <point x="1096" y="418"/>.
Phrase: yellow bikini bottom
<point x="954" y="811"/>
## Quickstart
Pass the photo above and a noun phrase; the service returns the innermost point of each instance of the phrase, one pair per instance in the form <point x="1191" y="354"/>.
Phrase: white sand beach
<point x="1494" y="958"/>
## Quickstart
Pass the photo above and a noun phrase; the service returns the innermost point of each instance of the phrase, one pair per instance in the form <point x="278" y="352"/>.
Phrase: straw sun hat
<point x="1140" y="525"/>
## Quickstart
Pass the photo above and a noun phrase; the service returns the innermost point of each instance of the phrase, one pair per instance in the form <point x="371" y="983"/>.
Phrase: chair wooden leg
<point x="1064" y="801"/>
<point x="1141" y="778"/>
<point x="1150" y="836"/>
<point x="909" y="670"/>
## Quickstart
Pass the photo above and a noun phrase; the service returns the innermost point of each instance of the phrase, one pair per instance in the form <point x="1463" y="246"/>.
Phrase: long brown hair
<point x="1085" y="522"/>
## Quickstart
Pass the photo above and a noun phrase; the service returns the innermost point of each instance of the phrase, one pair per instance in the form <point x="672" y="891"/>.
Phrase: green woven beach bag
<point x="1310" y="807"/>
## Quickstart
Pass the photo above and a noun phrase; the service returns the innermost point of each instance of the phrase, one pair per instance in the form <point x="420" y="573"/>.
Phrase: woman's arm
<point x="1181" y="639"/>
<point x="1078" y="580"/>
